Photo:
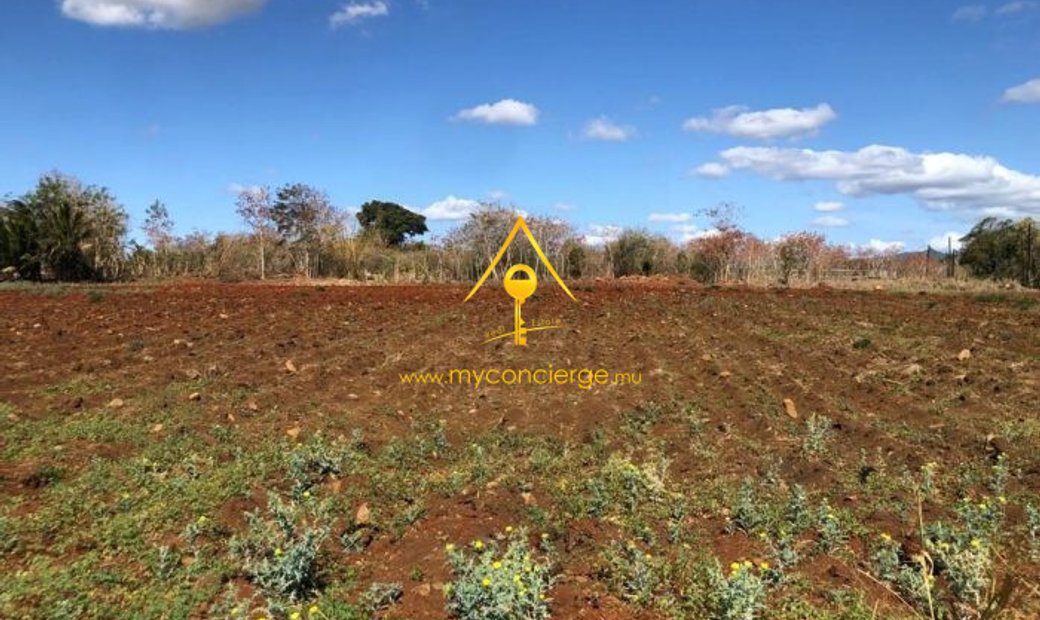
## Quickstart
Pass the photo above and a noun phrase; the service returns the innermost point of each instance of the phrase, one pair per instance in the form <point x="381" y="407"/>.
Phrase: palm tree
<point x="19" y="239"/>
<point x="64" y="231"/>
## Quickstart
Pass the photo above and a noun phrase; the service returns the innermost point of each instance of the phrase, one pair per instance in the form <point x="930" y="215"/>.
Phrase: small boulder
<point x="790" y="409"/>
<point x="964" y="355"/>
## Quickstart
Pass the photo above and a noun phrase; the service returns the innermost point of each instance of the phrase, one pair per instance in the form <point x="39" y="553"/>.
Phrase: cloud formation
<point x="604" y="129"/>
<point x="829" y="206"/>
<point x="765" y="124"/>
<point x="354" y="13"/>
<point x="602" y="234"/>
<point x="451" y="208"/>
<point x="671" y="218"/>
<point x="881" y="247"/>
<point x="970" y="13"/>
<point x="158" y="14"/>
<point x="829" y="221"/>
<point x="503" y="112"/>
<point x="1028" y="92"/>
<point x="940" y="242"/>
<point x="711" y="170"/>
<point x="937" y="180"/>
<point x="1011" y="8"/>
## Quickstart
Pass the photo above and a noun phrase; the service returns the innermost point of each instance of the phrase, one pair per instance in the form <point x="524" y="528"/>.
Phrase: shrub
<point x="489" y="585"/>
<point x="741" y="594"/>
<point x="279" y="553"/>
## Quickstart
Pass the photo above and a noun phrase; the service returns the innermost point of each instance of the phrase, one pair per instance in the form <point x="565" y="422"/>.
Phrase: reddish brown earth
<point x="739" y="352"/>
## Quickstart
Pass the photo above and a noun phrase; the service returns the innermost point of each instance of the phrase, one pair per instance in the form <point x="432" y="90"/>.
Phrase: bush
<point x="279" y="553"/>
<point x="493" y="586"/>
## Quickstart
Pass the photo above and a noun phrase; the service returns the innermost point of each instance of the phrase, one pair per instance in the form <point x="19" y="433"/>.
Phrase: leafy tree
<point x="254" y="207"/>
<point x="158" y="226"/>
<point x="632" y="253"/>
<point x="1003" y="250"/>
<point x="20" y="239"/>
<point x="303" y="215"/>
<point x="390" y="221"/>
<point x="63" y="230"/>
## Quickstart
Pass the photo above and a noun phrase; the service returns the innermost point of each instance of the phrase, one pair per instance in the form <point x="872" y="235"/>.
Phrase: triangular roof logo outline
<point x="520" y="225"/>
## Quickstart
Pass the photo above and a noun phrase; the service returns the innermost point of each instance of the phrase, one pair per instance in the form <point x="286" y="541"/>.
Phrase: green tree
<point x="632" y="253"/>
<point x="63" y="230"/>
<point x="390" y="221"/>
<point x="303" y="216"/>
<point x="20" y="240"/>
<point x="1003" y="250"/>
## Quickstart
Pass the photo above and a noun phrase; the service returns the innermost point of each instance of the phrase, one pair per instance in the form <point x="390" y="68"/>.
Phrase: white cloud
<point x="765" y="124"/>
<point x="829" y="206"/>
<point x="1028" y="92"/>
<point x="691" y="232"/>
<point x="970" y="13"/>
<point x="882" y="247"/>
<point x="940" y="242"/>
<point x="498" y="194"/>
<point x="603" y="128"/>
<point x="937" y="180"/>
<point x="451" y="208"/>
<point x="356" y="12"/>
<point x="830" y="221"/>
<point x="673" y="218"/>
<point x="238" y="188"/>
<point x="602" y="234"/>
<point x="504" y="112"/>
<point x="1012" y="8"/>
<point x="158" y="14"/>
<point x="711" y="170"/>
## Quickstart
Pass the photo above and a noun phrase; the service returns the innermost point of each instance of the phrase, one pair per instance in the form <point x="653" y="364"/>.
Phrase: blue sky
<point x="872" y="123"/>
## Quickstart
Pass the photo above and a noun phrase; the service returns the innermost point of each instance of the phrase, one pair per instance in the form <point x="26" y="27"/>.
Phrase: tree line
<point x="65" y="230"/>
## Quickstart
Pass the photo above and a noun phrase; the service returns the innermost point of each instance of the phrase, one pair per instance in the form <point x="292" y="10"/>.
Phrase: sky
<point x="886" y="124"/>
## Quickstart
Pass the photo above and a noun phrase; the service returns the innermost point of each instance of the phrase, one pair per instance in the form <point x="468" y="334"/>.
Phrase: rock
<point x="964" y="355"/>
<point x="157" y="428"/>
<point x="790" y="409"/>
<point x="363" y="516"/>
<point x="290" y="366"/>
<point x="252" y="406"/>
<point x="115" y="403"/>
<point x="528" y="499"/>
<point x="192" y="374"/>
<point x="195" y="396"/>
<point x="12" y="417"/>
<point x="423" y="590"/>
<point x="352" y="397"/>
<point x="293" y="432"/>
<point x="912" y="369"/>
<point x="725" y="373"/>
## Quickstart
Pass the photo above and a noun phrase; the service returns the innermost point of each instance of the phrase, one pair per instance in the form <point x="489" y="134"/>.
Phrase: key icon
<point x="520" y="290"/>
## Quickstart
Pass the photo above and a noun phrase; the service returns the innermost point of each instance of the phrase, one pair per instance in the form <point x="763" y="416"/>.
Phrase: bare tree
<point x="254" y="207"/>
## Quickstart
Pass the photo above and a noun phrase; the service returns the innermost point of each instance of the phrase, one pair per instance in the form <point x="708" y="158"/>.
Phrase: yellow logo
<point x="520" y="288"/>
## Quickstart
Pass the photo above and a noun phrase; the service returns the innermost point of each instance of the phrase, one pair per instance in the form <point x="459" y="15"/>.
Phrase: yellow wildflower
<point x="313" y="610"/>
<point x="764" y="565"/>
<point x="478" y="545"/>
<point x="449" y="547"/>
<point x="295" y="616"/>
<point x="278" y="552"/>
<point x="496" y="565"/>
<point x="509" y="529"/>
<point x="486" y="582"/>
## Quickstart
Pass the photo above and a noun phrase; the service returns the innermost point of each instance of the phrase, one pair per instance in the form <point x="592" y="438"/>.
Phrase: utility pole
<point x="950" y="267"/>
